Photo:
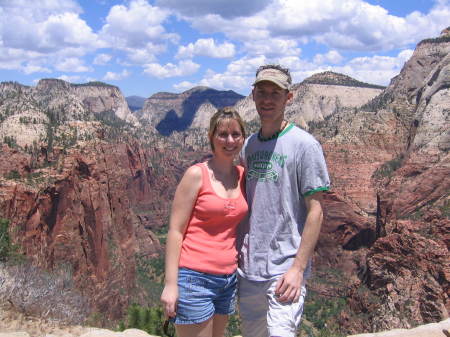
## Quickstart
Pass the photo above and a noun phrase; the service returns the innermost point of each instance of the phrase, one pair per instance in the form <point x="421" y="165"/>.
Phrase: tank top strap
<point x="241" y="178"/>
<point x="240" y="170"/>
<point x="206" y="182"/>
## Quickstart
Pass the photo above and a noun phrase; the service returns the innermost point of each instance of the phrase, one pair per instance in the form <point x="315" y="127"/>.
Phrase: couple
<point x="283" y="177"/>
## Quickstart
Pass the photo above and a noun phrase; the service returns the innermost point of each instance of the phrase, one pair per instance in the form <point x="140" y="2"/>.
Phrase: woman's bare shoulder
<point x="193" y="175"/>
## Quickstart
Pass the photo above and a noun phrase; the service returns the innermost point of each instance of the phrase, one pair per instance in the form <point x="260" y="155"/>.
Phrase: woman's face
<point x="227" y="139"/>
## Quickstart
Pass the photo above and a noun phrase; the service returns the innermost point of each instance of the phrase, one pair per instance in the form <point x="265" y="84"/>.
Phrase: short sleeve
<point x="313" y="174"/>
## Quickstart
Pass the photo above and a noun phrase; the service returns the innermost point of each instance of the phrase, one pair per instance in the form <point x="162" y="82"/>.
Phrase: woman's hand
<point x="169" y="298"/>
<point x="183" y="203"/>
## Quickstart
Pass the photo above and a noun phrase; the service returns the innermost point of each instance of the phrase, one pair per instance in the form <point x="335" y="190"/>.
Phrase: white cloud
<point x="224" y="81"/>
<point x="224" y="8"/>
<point x="377" y="69"/>
<point x="183" y="68"/>
<point x="239" y="29"/>
<point x="37" y="34"/>
<point x="135" y="26"/>
<point x="12" y="58"/>
<point x="72" y="64"/>
<point x="355" y="24"/>
<point x="206" y="47"/>
<point x="183" y="86"/>
<point x="23" y="30"/>
<point x="145" y="54"/>
<point x="70" y="79"/>
<point x="274" y="47"/>
<point x="102" y="59"/>
<point x="338" y="24"/>
<point x="35" y="68"/>
<point x="333" y="57"/>
<point x="238" y="76"/>
<point x="39" y="10"/>
<point x="111" y="76"/>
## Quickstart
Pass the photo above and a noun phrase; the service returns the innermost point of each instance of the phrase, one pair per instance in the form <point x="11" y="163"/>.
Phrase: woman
<point x="201" y="256"/>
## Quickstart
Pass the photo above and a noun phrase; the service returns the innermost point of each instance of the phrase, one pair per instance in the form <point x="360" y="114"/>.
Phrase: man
<point x="285" y="176"/>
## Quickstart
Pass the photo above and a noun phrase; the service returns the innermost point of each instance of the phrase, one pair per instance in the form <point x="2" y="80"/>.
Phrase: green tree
<point x="133" y="316"/>
<point x="7" y="248"/>
<point x="148" y="319"/>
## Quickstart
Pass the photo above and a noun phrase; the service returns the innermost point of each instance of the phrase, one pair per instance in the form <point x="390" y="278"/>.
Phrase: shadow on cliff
<point x="172" y="122"/>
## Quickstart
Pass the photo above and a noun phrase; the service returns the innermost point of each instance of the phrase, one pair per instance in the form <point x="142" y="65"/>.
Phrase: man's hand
<point x="288" y="287"/>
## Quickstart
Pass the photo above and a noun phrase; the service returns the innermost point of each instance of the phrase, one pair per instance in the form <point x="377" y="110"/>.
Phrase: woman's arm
<point x="183" y="203"/>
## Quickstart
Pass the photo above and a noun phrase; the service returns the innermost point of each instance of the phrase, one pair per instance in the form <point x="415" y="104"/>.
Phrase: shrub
<point x="389" y="167"/>
<point x="151" y="320"/>
<point x="7" y="249"/>
<point x="147" y="319"/>
<point x="13" y="174"/>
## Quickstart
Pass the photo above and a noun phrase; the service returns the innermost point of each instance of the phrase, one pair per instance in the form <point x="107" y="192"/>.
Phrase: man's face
<point x="270" y="101"/>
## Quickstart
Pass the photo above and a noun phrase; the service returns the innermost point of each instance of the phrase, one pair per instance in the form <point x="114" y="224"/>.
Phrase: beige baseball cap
<point x="275" y="76"/>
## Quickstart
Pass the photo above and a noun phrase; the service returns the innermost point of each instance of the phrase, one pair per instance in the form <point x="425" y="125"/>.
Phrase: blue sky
<point x="147" y="46"/>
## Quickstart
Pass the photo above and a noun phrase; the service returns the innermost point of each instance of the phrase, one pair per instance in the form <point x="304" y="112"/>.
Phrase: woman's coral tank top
<point x="209" y="243"/>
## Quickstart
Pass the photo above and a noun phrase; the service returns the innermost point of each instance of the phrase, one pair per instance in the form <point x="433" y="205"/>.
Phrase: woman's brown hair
<point x="221" y="115"/>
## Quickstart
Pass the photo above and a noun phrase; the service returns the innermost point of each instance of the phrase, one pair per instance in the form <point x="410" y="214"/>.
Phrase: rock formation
<point x="169" y="112"/>
<point x="318" y="97"/>
<point x="440" y="329"/>
<point x="400" y="142"/>
<point x="95" y="209"/>
<point x="29" y="114"/>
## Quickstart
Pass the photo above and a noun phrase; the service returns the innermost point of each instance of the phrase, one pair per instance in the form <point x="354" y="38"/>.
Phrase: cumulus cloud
<point x="72" y="64"/>
<point x="338" y="24"/>
<point x="184" y="85"/>
<point x="238" y="76"/>
<point x="28" y="30"/>
<point x="333" y="57"/>
<point x="183" y="68"/>
<point x="224" y="8"/>
<point x="138" y="30"/>
<point x="377" y="69"/>
<point x="224" y="81"/>
<point x="354" y="24"/>
<point x="39" y="9"/>
<point x="102" y="59"/>
<point x="46" y="35"/>
<point x="273" y="47"/>
<point x="206" y="47"/>
<point x="111" y="76"/>
<point x="70" y="79"/>
<point x="135" y="26"/>
<point x="13" y="59"/>
<point x="36" y="34"/>
<point x="35" y="68"/>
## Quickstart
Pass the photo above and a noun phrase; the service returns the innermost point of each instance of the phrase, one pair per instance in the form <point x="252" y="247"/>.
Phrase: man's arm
<point x="289" y="285"/>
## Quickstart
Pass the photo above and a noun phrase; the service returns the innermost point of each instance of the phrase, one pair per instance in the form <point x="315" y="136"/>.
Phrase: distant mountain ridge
<point x="169" y="112"/>
<point x="332" y="78"/>
<point x="135" y="102"/>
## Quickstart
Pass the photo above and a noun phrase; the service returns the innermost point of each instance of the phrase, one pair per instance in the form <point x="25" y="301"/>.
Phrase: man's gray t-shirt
<point x="279" y="174"/>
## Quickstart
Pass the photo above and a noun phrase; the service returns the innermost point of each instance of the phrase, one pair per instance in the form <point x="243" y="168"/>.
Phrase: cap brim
<point x="270" y="79"/>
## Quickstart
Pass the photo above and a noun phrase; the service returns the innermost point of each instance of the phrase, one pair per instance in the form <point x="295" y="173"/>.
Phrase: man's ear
<point x="253" y="94"/>
<point x="290" y="96"/>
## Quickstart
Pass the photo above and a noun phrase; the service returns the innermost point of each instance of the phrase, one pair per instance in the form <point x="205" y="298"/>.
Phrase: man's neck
<point x="271" y="127"/>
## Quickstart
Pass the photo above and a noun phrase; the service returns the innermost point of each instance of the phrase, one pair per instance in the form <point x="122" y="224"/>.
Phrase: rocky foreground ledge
<point x="92" y="333"/>
<point x="16" y="324"/>
<point x="441" y="329"/>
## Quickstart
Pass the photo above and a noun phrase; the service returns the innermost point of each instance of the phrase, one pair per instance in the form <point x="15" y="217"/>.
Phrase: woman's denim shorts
<point x="202" y="295"/>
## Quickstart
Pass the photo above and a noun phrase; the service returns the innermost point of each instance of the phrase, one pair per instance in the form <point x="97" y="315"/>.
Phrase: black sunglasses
<point x="168" y="328"/>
